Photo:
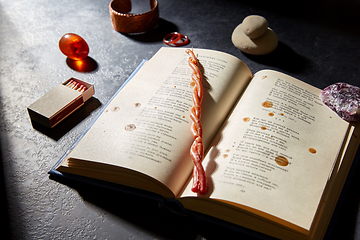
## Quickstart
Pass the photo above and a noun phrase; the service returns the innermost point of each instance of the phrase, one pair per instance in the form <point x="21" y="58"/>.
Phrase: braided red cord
<point x="197" y="148"/>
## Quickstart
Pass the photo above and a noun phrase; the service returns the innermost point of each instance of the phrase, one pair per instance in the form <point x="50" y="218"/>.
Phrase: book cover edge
<point x="53" y="170"/>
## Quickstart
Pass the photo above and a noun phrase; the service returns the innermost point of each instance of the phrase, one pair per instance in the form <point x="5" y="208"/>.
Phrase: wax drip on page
<point x="197" y="148"/>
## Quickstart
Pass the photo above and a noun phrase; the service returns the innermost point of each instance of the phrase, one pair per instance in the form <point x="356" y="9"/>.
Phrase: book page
<point x="277" y="150"/>
<point x="146" y="127"/>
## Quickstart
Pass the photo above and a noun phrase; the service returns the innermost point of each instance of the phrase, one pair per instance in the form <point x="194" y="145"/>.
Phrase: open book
<point x="276" y="157"/>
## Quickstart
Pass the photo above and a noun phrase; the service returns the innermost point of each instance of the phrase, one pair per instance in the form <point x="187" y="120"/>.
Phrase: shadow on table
<point x="148" y="211"/>
<point x="165" y="27"/>
<point x="284" y="58"/>
<point x="85" y="65"/>
<point x="70" y="122"/>
<point x="4" y="208"/>
<point x="344" y="223"/>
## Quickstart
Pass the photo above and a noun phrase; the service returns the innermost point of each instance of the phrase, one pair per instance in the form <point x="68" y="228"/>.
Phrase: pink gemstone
<point x="344" y="99"/>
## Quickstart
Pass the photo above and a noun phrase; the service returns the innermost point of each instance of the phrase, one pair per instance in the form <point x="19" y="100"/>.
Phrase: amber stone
<point x="73" y="46"/>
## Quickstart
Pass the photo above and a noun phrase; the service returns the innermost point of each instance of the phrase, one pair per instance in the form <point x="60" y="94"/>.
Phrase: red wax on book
<point x="73" y="46"/>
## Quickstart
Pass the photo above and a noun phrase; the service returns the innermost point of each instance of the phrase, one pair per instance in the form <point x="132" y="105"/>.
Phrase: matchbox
<point x="60" y="102"/>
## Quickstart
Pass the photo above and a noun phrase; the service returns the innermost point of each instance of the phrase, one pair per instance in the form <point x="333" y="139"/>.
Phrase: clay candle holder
<point x="125" y="22"/>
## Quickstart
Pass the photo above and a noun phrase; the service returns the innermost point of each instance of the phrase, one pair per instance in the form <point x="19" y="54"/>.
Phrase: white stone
<point x="254" y="26"/>
<point x="257" y="46"/>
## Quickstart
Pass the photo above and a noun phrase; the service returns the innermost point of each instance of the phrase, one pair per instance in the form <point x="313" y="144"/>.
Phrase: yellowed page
<point x="277" y="149"/>
<point x="146" y="127"/>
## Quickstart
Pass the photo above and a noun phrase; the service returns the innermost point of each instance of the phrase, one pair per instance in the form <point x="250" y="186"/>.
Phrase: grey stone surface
<point x="319" y="42"/>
